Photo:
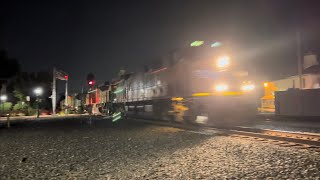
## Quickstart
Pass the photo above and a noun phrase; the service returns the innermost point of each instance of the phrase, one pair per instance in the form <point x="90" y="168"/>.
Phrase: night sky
<point x="104" y="36"/>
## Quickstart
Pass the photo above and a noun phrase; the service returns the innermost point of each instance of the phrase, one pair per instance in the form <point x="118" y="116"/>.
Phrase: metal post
<point x="54" y="93"/>
<point x="8" y="120"/>
<point x="299" y="59"/>
<point x="38" y="113"/>
<point x="66" y="98"/>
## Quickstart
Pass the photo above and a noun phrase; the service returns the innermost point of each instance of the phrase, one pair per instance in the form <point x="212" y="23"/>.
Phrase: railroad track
<point x="282" y="138"/>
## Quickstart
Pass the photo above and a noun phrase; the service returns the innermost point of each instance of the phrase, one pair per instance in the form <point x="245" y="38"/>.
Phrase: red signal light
<point x="66" y="77"/>
<point x="91" y="83"/>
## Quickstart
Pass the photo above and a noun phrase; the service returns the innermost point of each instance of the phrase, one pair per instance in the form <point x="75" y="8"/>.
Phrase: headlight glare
<point x="221" y="87"/>
<point x="223" y="62"/>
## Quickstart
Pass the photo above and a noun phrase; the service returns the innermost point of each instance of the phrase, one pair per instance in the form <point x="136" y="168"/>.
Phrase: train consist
<point x="192" y="85"/>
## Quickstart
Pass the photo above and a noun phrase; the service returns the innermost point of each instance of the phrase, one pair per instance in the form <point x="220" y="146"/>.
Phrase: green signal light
<point x="216" y="44"/>
<point x="196" y="43"/>
<point x="118" y="91"/>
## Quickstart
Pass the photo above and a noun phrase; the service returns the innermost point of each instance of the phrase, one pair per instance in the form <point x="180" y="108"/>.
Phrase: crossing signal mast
<point x="90" y="80"/>
<point x="61" y="75"/>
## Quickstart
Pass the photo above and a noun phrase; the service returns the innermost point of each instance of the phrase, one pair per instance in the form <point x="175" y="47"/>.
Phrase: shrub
<point x="7" y="106"/>
<point x="20" y="107"/>
<point x="31" y="111"/>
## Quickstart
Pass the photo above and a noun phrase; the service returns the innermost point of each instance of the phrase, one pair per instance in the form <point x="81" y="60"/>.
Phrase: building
<point x="310" y="80"/>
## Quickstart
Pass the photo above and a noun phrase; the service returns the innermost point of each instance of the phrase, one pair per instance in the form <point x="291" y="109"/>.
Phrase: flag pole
<point x="54" y="93"/>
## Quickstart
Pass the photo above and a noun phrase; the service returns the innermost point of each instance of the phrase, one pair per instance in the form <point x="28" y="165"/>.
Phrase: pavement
<point x="101" y="149"/>
<point x="269" y="121"/>
<point x="41" y="117"/>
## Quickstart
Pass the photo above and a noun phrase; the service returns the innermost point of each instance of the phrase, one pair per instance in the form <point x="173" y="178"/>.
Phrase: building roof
<point x="315" y="69"/>
<point x="103" y="87"/>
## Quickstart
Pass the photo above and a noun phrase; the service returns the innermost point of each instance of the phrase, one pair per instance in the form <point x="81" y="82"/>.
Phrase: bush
<point x="20" y="107"/>
<point x="31" y="111"/>
<point x="7" y="106"/>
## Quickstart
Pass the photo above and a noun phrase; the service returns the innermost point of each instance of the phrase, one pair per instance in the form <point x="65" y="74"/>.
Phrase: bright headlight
<point x="221" y="87"/>
<point x="247" y="87"/>
<point x="223" y="61"/>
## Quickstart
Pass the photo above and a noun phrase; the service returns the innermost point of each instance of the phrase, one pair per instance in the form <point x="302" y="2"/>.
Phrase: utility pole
<point x="66" y="97"/>
<point x="299" y="58"/>
<point x="54" y="93"/>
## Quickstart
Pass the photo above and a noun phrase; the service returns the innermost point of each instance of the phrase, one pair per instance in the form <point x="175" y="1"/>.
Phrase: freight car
<point x="193" y="85"/>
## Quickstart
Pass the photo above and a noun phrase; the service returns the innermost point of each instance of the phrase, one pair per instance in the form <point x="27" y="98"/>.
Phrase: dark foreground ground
<point x="70" y="149"/>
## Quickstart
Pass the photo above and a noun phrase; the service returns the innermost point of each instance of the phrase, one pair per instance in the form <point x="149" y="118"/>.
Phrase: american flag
<point x="61" y="75"/>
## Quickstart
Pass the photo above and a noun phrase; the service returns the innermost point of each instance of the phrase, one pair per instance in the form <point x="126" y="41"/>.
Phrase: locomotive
<point x="191" y="85"/>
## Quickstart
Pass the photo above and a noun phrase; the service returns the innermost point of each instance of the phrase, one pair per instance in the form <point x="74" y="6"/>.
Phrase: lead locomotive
<point x="193" y="85"/>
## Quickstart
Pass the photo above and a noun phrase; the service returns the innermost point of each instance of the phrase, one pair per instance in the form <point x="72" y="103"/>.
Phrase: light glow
<point x="221" y="87"/>
<point x="223" y="62"/>
<point x="118" y="91"/>
<point x="265" y="84"/>
<point x="247" y="87"/>
<point x="3" y="98"/>
<point x="228" y="93"/>
<point x="38" y="91"/>
<point x="216" y="44"/>
<point x="196" y="43"/>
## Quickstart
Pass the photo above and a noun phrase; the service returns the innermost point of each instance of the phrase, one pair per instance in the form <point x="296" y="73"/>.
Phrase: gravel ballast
<point x="77" y="150"/>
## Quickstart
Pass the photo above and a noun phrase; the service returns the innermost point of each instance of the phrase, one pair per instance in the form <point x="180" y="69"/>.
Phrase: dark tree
<point x="8" y="67"/>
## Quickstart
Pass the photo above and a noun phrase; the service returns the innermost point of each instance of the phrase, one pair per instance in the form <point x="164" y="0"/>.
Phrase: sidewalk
<point x="42" y="117"/>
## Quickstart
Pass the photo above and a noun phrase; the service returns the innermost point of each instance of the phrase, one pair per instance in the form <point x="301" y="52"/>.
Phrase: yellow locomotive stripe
<point x="227" y="93"/>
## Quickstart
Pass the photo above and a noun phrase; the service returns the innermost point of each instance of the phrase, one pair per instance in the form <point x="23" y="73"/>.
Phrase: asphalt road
<point x="74" y="149"/>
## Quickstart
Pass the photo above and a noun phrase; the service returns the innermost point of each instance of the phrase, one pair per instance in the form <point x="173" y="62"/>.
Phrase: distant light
<point x="38" y="91"/>
<point x="216" y="44"/>
<point x="265" y="84"/>
<point x="3" y="98"/>
<point x="221" y="87"/>
<point x="66" y="77"/>
<point x="196" y="43"/>
<point x="247" y="87"/>
<point x="91" y="83"/>
<point x="223" y="61"/>
<point x="118" y="91"/>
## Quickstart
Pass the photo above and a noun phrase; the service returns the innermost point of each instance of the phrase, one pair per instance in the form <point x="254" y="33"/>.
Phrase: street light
<point x="38" y="92"/>
<point x="3" y="98"/>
